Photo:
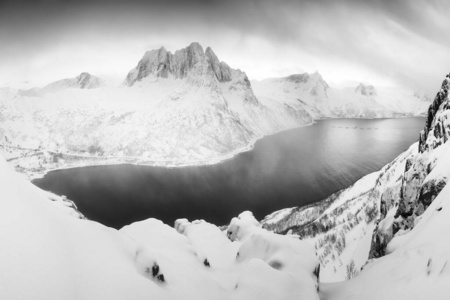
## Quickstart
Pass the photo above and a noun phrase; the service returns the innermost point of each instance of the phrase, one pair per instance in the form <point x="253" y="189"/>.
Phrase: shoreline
<point x="138" y="161"/>
<point x="167" y="164"/>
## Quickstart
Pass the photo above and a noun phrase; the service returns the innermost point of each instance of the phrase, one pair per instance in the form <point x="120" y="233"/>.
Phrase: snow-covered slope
<point x="82" y="81"/>
<point x="341" y="226"/>
<point x="416" y="265"/>
<point x="48" y="252"/>
<point x="311" y="92"/>
<point x="180" y="109"/>
<point x="358" y="223"/>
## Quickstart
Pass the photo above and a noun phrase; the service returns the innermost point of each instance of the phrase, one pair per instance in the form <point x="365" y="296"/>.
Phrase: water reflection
<point x="292" y="168"/>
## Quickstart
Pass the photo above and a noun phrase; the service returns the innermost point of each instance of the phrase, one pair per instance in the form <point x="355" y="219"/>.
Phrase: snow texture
<point x="49" y="253"/>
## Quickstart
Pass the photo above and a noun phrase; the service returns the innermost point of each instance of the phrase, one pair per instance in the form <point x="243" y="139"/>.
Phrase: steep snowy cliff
<point x="358" y="223"/>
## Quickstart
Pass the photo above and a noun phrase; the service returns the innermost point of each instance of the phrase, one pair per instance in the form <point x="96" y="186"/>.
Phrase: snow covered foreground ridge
<point x="392" y="224"/>
<point x="47" y="253"/>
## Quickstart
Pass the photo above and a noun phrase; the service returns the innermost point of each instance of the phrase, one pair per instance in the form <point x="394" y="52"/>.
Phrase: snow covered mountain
<point x="82" y="81"/>
<point x="49" y="252"/>
<point x="390" y="224"/>
<point x="185" y="108"/>
<point x="174" y="109"/>
<point x="311" y="92"/>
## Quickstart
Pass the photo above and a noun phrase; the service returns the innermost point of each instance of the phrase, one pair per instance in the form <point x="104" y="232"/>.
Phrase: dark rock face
<point x="297" y="78"/>
<point x="441" y="130"/>
<point x="162" y="63"/>
<point x="220" y="69"/>
<point x="83" y="79"/>
<point x="365" y="90"/>
<point x="379" y="244"/>
<point x="429" y="191"/>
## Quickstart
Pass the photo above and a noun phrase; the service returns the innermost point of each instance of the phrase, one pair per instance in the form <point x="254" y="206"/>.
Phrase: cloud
<point x="378" y="41"/>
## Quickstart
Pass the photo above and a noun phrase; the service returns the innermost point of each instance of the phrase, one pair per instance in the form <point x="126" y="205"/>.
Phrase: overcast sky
<point x="383" y="42"/>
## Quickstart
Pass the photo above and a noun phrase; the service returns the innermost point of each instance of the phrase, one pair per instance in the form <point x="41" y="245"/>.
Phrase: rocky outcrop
<point x="220" y="69"/>
<point x="162" y="63"/>
<point x="419" y="184"/>
<point x="88" y="81"/>
<point x="439" y="129"/>
<point x="297" y="78"/>
<point x="82" y="81"/>
<point x="365" y="90"/>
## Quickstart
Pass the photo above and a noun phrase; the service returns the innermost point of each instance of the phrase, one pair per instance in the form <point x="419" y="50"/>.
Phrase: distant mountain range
<point x="313" y="94"/>
<point x="185" y="108"/>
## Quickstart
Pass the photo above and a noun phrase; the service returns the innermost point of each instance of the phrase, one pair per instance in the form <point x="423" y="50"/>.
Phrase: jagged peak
<point x="210" y="53"/>
<point x="84" y="74"/>
<point x="441" y="96"/>
<point x="161" y="63"/>
<point x="195" y="46"/>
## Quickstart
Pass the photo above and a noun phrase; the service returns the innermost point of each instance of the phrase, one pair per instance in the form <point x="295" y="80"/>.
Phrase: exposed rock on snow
<point x="365" y="90"/>
<point x="426" y="174"/>
<point x="416" y="266"/>
<point x="82" y="81"/>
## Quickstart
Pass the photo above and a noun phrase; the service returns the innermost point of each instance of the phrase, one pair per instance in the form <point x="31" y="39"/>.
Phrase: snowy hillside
<point x="359" y="223"/>
<point x="82" y="81"/>
<point x="311" y="92"/>
<point x="415" y="267"/>
<point x="48" y="252"/>
<point x="181" y="109"/>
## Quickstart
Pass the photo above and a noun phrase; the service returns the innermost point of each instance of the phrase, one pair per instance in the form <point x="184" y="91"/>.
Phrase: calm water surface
<point x="291" y="168"/>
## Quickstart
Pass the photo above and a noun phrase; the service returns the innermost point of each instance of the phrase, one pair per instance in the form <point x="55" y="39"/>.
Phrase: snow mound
<point x="57" y="255"/>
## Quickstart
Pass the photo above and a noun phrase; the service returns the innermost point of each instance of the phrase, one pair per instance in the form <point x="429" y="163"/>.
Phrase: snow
<point x="171" y="117"/>
<point x="48" y="253"/>
<point x="278" y="215"/>
<point x="343" y="234"/>
<point x="313" y="94"/>
<point x="160" y="121"/>
<point x="416" y="268"/>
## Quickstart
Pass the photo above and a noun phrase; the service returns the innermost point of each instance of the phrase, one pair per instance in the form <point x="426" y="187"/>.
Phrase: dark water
<point x="291" y="168"/>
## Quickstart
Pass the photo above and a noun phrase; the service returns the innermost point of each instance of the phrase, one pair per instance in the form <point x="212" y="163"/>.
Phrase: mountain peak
<point x="162" y="63"/>
<point x="83" y="79"/>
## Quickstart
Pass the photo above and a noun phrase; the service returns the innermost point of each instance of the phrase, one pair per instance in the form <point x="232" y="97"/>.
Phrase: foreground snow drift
<point x="49" y="253"/>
